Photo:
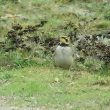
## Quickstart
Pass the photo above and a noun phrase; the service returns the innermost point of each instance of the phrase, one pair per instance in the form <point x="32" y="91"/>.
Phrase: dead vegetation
<point x="24" y="38"/>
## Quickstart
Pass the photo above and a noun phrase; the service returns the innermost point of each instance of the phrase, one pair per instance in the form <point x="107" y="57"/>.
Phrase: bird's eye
<point x="66" y="40"/>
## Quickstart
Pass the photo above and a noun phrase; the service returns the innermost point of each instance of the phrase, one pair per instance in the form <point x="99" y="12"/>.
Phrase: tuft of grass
<point x="102" y="25"/>
<point x="93" y="64"/>
<point x="19" y="59"/>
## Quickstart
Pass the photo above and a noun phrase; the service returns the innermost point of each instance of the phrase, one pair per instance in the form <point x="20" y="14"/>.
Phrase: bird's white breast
<point x="63" y="56"/>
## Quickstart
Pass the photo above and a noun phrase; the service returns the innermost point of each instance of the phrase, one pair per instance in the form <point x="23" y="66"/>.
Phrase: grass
<point x="57" y="15"/>
<point x="54" y="87"/>
<point x="36" y="82"/>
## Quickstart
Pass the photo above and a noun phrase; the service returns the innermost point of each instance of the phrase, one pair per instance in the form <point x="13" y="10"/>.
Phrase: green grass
<point x="36" y="82"/>
<point x="57" y="15"/>
<point x="54" y="87"/>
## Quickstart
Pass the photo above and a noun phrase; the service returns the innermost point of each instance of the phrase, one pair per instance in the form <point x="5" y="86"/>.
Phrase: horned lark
<point x="63" y="53"/>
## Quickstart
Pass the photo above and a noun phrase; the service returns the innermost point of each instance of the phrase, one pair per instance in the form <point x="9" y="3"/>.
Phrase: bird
<point x="63" y="56"/>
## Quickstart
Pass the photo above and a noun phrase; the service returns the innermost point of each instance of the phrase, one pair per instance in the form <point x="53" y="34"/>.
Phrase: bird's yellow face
<point x="64" y="40"/>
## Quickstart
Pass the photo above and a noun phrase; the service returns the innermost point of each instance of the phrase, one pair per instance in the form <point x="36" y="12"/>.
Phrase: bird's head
<point x="64" y="40"/>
